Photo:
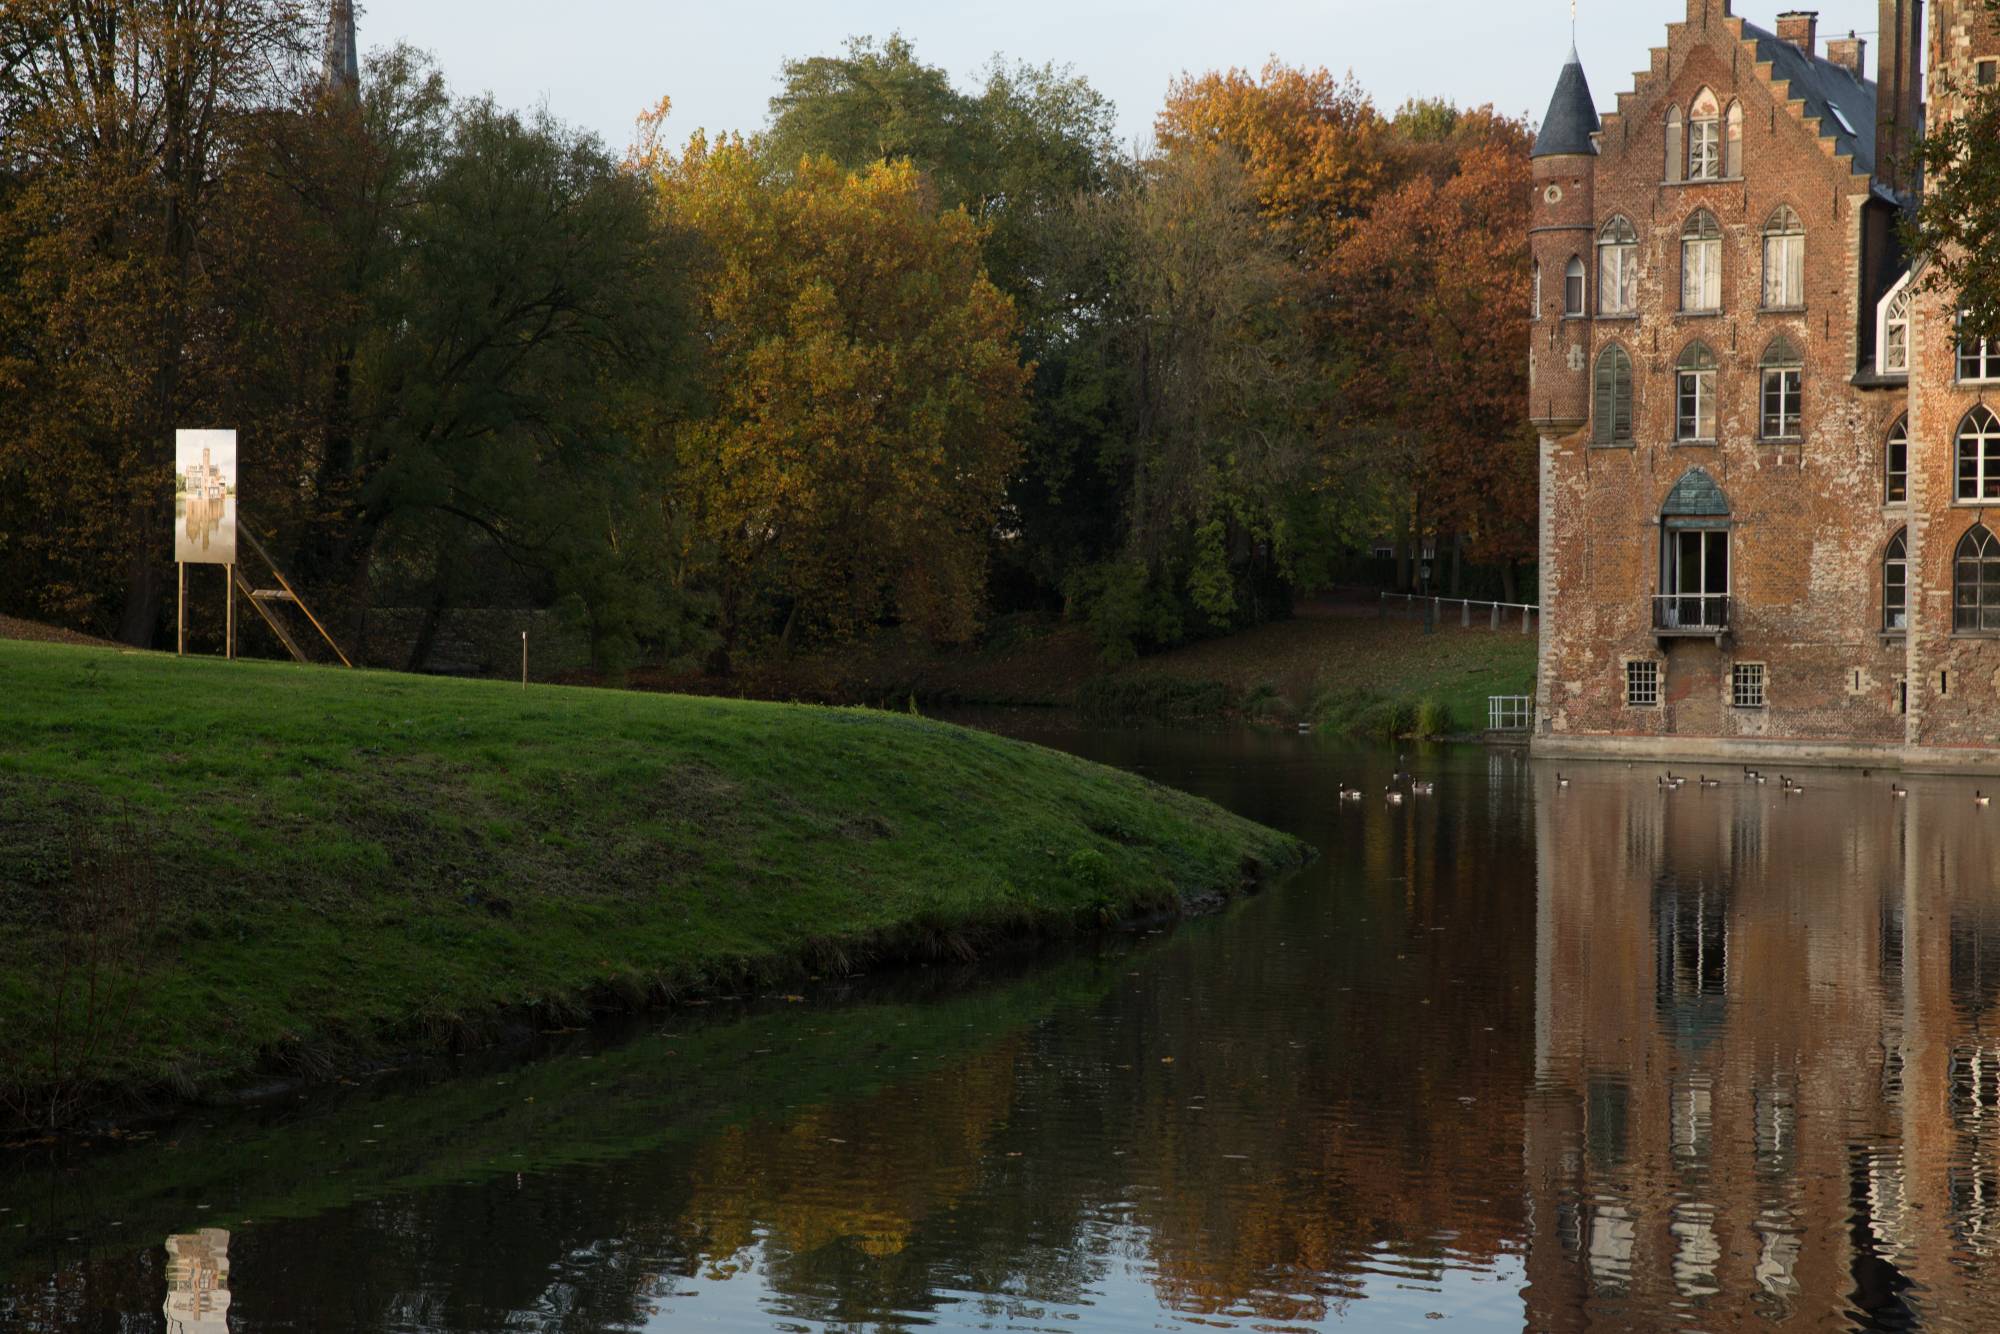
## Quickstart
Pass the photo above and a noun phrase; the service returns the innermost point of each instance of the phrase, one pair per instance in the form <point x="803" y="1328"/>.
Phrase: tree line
<point x="914" y="354"/>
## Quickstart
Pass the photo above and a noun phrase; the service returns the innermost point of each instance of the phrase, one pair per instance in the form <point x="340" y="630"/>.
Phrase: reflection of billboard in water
<point x="205" y="497"/>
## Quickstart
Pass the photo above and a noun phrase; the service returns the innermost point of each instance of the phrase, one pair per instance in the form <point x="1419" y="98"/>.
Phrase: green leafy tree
<point x="1196" y="357"/>
<point x="1955" y="233"/>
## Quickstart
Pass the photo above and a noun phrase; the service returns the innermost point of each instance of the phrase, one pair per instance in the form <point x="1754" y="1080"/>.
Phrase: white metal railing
<point x="1510" y="713"/>
<point x="1497" y="612"/>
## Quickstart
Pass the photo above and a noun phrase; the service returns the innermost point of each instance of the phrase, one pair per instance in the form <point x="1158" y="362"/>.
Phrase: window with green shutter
<point x="1612" y="414"/>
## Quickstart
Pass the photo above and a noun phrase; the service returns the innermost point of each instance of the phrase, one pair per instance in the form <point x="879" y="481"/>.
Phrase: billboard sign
<point x="205" y="497"/>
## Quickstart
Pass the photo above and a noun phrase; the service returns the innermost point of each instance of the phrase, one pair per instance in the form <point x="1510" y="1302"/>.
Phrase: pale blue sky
<point x="598" y="62"/>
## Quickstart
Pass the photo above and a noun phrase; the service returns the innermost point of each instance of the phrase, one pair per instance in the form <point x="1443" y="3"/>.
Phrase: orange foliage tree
<point x="1430" y="286"/>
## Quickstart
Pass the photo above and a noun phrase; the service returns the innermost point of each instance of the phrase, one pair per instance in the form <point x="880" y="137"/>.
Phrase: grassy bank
<point x="213" y="871"/>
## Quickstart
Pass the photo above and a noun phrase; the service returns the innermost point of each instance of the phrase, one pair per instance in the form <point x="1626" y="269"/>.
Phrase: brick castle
<point x="1767" y="460"/>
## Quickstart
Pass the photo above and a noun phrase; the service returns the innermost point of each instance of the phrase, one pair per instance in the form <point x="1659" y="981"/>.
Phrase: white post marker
<point x="524" y="660"/>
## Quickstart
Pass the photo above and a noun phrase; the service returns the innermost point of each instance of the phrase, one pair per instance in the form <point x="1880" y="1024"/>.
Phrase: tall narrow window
<point x="1676" y="162"/>
<point x="1896" y="464"/>
<point x="1705" y="138"/>
<point x="1975" y="583"/>
<point x="1701" y="263"/>
<point x="1978" y="457"/>
<point x="1573" y="295"/>
<point x="1784" y="261"/>
<point x="1978" y="358"/>
<point x="1611" y="419"/>
<point x="1732" y="142"/>
<point x="1783" y="373"/>
<point x="1896" y="582"/>
<point x="1535" y="311"/>
<point x="1694" y="398"/>
<point x="1694" y="557"/>
<point x="1896" y="332"/>
<point x="1618" y="268"/>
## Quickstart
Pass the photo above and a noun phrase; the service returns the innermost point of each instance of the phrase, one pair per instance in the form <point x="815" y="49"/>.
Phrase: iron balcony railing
<point x="1691" y="613"/>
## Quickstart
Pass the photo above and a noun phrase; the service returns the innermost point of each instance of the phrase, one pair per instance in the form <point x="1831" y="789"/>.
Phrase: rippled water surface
<point x="1515" y="1056"/>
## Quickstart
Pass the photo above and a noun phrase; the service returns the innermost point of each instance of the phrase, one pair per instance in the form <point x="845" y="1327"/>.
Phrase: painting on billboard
<point x="205" y="497"/>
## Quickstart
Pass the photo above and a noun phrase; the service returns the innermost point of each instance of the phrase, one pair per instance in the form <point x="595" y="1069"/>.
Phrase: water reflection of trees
<point x="1741" y="1045"/>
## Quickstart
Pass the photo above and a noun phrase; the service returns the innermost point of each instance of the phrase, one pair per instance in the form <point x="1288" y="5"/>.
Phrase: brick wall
<point x="1807" y="519"/>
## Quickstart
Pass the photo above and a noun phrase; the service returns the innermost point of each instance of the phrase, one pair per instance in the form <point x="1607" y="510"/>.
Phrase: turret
<point x="1561" y="230"/>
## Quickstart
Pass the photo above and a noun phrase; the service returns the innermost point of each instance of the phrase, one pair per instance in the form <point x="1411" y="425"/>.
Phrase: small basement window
<point x="1642" y="685"/>
<point x="1746" y="685"/>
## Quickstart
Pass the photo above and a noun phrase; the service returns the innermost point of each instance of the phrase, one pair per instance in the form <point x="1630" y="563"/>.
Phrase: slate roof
<point x="1825" y="85"/>
<point x="1572" y="118"/>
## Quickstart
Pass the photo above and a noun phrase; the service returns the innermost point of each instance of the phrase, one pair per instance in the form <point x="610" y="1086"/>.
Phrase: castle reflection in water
<point x="1766" y="1076"/>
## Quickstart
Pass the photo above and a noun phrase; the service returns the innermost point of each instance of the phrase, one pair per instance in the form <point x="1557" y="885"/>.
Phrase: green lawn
<point x="298" y="868"/>
<point x="1338" y="669"/>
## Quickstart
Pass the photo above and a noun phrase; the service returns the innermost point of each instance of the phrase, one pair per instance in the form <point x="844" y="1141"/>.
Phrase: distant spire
<point x="342" y="69"/>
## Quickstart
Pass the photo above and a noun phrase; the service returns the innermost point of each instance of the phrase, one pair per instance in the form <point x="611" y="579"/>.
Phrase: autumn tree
<point x="864" y="395"/>
<point x="1015" y="148"/>
<point x="1315" y="149"/>
<point x="1012" y="151"/>
<point x="123" y="119"/>
<point x="1417" y="286"/>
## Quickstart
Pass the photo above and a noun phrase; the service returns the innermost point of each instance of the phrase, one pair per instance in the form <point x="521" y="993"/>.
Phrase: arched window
<point x="1676" y="161"/>
<point x="1896" y="464"/>
<point x="1975" y="583"/>
<point x="1618" y="268"/>
<point x="1896" y="331"/>
<point x="1784" y="261"/>
<point x="1705" y="138"/>
<point x="1694" y="396"/>
<point x="1535" y="311"/>
<point x="1978" y="457"/>
<point x="1896" y="582"/>
<point x="1611" y="418"/>
<point x="1701" y="263"/>
<point x="1732" y="142"/>
<point x="1573" y="294"/>
<point x="1783" y="372"/>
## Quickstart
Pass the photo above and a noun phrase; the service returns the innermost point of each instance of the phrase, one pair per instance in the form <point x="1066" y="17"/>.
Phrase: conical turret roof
<point x="1572" y="118"/>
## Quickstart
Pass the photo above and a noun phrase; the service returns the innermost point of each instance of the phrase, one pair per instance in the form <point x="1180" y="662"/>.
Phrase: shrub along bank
<point x="213" y="871"/>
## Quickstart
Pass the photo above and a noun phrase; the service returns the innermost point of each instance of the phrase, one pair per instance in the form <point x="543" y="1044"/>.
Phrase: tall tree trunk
<point x="1458" y="565"/>
<point x="139" y="617"/>
<point x="1509" y="581"/>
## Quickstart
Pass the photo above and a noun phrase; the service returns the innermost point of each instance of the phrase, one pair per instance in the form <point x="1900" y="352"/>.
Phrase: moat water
<point x="1514" y="1056"/>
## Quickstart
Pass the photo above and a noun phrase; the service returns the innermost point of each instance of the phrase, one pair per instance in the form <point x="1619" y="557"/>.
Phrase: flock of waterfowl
<point x="1396" y="790"/>
<point x="1673" y="782"/>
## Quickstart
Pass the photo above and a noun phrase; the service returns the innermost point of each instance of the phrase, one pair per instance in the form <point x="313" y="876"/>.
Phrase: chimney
<point x="1800" y="27"/>
<point x="1899" y="87"/>
<point x="1850" y="53"/>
